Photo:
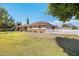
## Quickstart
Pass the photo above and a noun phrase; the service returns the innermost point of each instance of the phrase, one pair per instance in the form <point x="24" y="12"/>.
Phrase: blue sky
<point x="34" y="11"/>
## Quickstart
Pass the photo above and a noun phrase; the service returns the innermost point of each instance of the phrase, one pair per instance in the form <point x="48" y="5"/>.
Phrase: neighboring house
<point x="67" y="27"/>
<point x="40" y="27"/>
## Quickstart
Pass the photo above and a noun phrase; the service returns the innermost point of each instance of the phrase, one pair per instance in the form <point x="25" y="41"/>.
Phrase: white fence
<point x="73" y="32"/>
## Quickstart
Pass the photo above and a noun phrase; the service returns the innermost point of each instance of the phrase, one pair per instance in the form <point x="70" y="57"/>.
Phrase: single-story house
<point x="40" y="27"/>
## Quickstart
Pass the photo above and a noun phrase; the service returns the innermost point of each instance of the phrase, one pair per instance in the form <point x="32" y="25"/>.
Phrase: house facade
<point x="40" y="27"/>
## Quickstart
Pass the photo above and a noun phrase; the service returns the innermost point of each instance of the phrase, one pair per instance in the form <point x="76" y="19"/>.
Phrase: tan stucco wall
<point x="39" y="30"/>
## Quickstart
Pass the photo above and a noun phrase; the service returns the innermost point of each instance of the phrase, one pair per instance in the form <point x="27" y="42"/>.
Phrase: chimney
<point x="27" y="20"/>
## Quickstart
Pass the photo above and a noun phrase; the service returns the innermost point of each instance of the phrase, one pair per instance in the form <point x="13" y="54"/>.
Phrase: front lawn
<point x="29" y="44"/>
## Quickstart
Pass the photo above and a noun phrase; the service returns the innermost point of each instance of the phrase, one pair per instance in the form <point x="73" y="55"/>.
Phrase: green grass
<point x="29" y="44"/>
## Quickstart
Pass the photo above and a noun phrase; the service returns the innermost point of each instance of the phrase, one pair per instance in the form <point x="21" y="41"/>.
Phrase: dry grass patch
<point x="23" y="43"/>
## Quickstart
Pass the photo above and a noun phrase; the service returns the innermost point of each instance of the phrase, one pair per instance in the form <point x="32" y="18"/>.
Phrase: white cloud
<point x="58" y="23"/>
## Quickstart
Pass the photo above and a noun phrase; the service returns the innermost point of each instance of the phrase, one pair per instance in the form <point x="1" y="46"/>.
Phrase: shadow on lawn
<point x="70" y="46"/>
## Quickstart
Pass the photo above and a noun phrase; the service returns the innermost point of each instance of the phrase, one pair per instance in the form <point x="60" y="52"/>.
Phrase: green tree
<point x="5" y="21"/>
<point x="64" y="11"/>
<point x="18" y="23"/>
<point x="27" y="20"/>
<point x="11" y="24"/>
<point x="3" y="18"/>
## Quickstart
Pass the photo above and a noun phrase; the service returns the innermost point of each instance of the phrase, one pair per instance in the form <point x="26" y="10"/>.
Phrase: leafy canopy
<point x="6" y="22"/>
<point x="64" y="11"/>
